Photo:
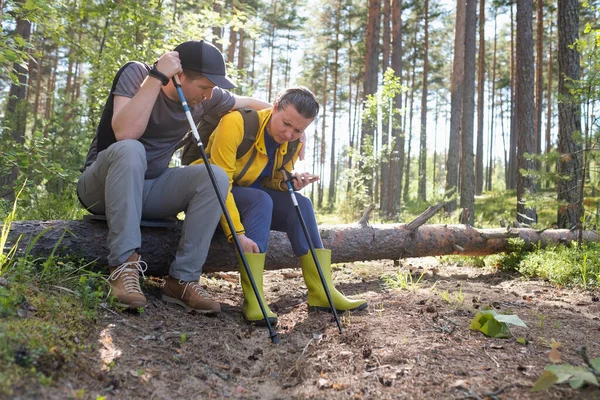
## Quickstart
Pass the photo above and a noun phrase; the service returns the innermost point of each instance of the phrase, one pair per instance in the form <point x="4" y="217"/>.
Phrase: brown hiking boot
<point x="124" y="282"/>
<point x="189" y="296"/>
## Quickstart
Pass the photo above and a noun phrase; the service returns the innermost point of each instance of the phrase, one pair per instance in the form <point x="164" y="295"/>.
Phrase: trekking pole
<point x="238" y="245"/>
<point x="288" y="180"/>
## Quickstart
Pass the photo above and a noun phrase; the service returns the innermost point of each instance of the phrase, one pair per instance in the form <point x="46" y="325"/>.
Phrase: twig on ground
<point x="491" y="357"/>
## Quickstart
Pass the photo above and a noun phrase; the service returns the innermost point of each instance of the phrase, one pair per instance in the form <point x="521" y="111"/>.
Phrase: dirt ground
<point x="409" y="344"/>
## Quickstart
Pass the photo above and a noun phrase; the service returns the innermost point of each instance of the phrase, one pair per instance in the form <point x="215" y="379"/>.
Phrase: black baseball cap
<point x="204" y="57"/>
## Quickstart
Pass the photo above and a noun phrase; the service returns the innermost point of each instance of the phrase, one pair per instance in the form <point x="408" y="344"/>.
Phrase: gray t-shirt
<point x="168" y="123"/>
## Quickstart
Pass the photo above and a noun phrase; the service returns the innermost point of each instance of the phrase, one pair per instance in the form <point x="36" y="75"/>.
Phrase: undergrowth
<point x="558" y="264"/>
<point x="47" y="309"/>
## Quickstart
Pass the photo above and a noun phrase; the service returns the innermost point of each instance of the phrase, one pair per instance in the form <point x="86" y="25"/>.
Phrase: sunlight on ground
<point x="108" y="351"/>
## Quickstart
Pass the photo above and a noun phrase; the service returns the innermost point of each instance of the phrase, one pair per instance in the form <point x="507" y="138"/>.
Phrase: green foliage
<point x="403" y="280"/>
<point x="510" y="260"/>
<point x="493" y="324"/>
<point x="565" y="265"/>
<point x="45" y="307"/>
<point x="577" y="376"/>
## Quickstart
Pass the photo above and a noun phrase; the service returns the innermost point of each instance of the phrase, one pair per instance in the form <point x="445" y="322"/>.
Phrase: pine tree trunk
<point x="480" y="100"/>
<point x="569" y="116"/>
<point x="15" y="116"/>
<point x="539" y="80"/>
<point x="332" y="161"/>
<point x="549" y="107"/>
<point x="411" y="108"/>
<point x="397" y="154"/>
<point x="492" y="111"/>
<point x="525" y="109"/>
<point x="467" y="162"/>
<point x="422" y="192"/>
<point x="456" y="94"/>
<point x="511" y="177"/>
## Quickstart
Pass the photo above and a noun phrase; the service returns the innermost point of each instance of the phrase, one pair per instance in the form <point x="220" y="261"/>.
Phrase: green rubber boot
<point x="250" y="307"/>
<point x="317" y="299"/>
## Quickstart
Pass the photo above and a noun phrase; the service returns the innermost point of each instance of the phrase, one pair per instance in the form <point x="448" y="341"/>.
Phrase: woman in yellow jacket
<point x="258" y="200"/>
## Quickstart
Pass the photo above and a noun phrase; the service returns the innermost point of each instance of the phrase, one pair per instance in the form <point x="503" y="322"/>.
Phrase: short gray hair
<point x="303" y="100"/>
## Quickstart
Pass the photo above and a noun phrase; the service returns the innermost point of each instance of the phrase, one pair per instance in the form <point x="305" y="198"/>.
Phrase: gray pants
<point x="114" y="185"/>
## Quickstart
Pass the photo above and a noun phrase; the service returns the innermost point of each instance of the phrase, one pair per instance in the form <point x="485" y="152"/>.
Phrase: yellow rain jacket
<point x="222" y="148"/>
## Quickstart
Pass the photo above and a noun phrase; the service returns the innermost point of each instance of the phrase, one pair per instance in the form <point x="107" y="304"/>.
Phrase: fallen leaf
<point x="554" y="355"/>
<point x="545" y="380"/>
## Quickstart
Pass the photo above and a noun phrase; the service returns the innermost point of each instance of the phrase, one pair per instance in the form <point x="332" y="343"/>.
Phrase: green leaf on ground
<point x="576" y="376"/>
<point x="596" y="363"/>
<point x="493" y="324"/>
<point x="546" y="379"/>
<point x="510" y="319"/>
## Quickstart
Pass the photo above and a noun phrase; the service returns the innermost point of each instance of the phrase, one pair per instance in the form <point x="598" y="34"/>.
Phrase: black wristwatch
<point x="159" y="75"/>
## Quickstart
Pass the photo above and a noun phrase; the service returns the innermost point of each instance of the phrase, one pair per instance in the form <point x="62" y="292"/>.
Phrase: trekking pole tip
<point x="274" y="337"/>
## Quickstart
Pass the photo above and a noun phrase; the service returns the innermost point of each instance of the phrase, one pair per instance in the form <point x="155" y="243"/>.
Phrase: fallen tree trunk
<point x="348" y="243"/>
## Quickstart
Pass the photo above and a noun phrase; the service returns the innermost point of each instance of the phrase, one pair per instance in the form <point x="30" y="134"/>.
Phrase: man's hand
<point x="302" y="179"/>
<point x="169" y="64"/>
<point x="248" y="245"/>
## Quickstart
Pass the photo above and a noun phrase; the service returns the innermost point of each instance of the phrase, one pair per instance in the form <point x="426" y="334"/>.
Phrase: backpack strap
<point x="291" y="150"/>
<point x="251" y="126"/>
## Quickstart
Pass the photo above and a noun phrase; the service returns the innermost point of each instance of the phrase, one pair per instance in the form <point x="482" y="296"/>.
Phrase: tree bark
<point x="569" y="116"/>
<point x="332" y="161"/>
<point x="397" y="156"/>
<point x="422" y="192"/>
<point x="525" y="110"/>
<point x="467" y="162"/>
<point x="456" y="93"/>
<point x="480" y="101"/>
<point x="349" y="243"/>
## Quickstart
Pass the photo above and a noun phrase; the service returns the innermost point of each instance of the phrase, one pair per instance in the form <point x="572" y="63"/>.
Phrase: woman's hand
<point x="248" y="245"/>
<point x="303" y="179"/>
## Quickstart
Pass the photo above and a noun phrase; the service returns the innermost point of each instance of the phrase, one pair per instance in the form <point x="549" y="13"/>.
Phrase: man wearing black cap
<point x="127" y="176"/>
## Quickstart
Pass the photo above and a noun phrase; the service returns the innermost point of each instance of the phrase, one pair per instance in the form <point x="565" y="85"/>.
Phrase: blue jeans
<point x="262" y="210"/>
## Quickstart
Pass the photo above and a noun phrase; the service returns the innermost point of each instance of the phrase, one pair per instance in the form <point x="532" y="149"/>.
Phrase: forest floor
<point x="409" y="344"/>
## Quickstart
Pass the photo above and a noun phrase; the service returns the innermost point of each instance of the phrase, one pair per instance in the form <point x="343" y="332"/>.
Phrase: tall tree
<point x="370" y="79"/>
<point x="423" y="135"/>
<point x="480" y="100"/>
<point x="467" y="173"/>
<point x="569" y="116"/>
<point x="15" y="117"/>
<point x="492" y="113"/>
<point x="397" y="155"/>
<point x="539" y="79"/>
<point x="456" y="101"/>
<point x="549" y="106"/>
<point x="525" y="110"/>
<point x="336" y="57"/>
<point x="511" y="169"/>
<point x="384" y="165"/>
